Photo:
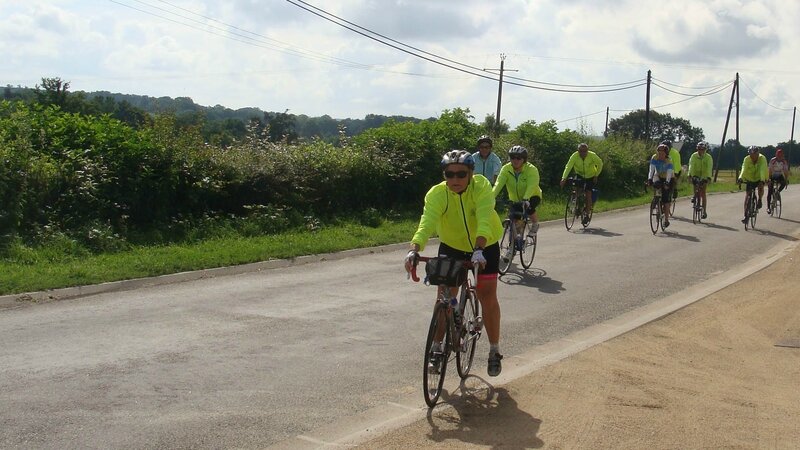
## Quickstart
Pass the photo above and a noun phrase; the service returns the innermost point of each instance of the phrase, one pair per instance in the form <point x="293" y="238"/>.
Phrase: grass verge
<point x="48" y="268"/>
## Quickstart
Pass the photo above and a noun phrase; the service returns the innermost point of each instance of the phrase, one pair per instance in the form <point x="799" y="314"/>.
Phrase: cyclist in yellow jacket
<point x="754" y="174"/>
<point x="587" y="166"/>
<point x="460" y="210"/>
<point x="700" y="165"/>
<point x="521" y="180"/>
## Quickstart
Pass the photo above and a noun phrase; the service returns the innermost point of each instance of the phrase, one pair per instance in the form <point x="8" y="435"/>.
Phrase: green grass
<point x="63" y="264"/>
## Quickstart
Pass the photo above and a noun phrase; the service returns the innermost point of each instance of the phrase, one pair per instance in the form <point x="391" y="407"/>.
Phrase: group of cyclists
<point x="461" y="209"/>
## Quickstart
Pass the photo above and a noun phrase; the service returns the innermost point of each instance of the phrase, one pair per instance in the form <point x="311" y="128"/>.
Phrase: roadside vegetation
<point x="86" y="197"/>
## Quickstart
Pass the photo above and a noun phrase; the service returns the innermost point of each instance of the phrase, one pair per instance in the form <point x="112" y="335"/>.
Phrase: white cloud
<point x="287" y="63"/>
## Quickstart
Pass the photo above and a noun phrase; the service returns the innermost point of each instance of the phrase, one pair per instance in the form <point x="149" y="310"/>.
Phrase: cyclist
<point x="487" y="163"/>
<point x="461" y="211"/>
<point x="660" y="177"/>
<point x="778" y="173"/>
<point x="675" y="157"/>
<point x="754" y="173"/>
<point x="521" y="180"/>
<point x="700" y="165"/>
<point x="587" y="166"/>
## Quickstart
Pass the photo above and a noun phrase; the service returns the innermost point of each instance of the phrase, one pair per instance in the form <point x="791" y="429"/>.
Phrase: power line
<point x="691" y="87"/>
<point x="711" y="91"/>
<point x="764" y="101"/>
<point x="449" y="63"/>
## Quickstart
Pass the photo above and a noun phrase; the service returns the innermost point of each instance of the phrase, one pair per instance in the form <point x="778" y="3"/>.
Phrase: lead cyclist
<point x="461" y="210"/>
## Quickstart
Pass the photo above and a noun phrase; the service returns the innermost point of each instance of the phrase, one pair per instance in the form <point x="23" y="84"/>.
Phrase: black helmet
<point x="518" y="150"/>
<point x="458" y="157"/>
<point x="485" y="139"/>
<point x="667" y="142"/>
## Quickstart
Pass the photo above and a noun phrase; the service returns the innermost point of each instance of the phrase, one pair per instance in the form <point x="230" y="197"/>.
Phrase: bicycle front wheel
<point x="569" y="211"/>
<point x="471" y="326"/>
<point x="507" y="249"/>
<point x="776" y="205"/>
<point x="655" y="215"/>
<point x="528" y="250"/>
<point x="436" y="356"/>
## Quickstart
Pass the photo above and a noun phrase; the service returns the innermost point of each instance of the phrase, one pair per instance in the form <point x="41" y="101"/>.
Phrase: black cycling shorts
<point x="491" y="253"/>
<point x="587" y="183"/>
<point x="516" y="207"/>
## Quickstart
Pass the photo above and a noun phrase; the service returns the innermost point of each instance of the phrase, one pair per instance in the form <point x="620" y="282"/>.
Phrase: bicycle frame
<point x="458" y="338"/>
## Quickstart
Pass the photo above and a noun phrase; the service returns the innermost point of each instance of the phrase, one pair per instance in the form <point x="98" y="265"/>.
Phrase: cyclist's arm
<point x="599" y="165"/>
<point x="707" y="168"/>
<point x="500" y="183"/>
<point x="533" y="183"/>
<point x="762" y="168"/>
<point x="652" y="173"/>
<point x="435" y="201"/>
<point x="569" y="165"/>
<point x="484" y="209"/>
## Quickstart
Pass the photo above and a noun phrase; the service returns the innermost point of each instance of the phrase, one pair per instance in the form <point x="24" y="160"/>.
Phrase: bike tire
<point x="570" y="211"/>
<point x="776" y="210"/>
<point x="672" y="207"/>
<point x="528" y="251"/>
<point x="588" y="221"/>
<point x="655" y="215"/>
<point x="507" y="248"/>
<point x="471" y="329"/>
<point x="433" y="380"/>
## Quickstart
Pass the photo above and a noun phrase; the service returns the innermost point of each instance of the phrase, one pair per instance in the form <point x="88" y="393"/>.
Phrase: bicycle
<point x="775" y="203"/>
<point x="751" y="202"/>
<point x="697" y="207"/>
<point x="517" y="241"/>
<point x="656" y="210"/>
<point x="576" y="204"/>
<point x="459" y="333"/>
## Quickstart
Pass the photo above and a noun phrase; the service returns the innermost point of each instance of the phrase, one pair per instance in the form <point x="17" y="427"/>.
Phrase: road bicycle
<point x="517" y="238"/>
<point x="576" y="204"/>
<point x="751" y="210"/>
<point x="456" y="323"/>
<point x="697" y="206"/>
<point x="775" y="203"/>
<point x="656" y="211"/>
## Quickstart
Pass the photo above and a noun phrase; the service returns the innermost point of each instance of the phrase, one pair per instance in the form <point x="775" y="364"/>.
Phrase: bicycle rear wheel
<point x="570" y="211"/>
<point x="655" y="215"/>
<point x="776" y="205"/>
<point x="751" y="212"/>
<point x="528" y="250"/>
<point x="507" y="248"/>
<point x="471" y="326"/>
<point x="435" y="363"/>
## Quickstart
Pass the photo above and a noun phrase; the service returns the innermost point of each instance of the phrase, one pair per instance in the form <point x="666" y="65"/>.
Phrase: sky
<point x="278" y="55"/>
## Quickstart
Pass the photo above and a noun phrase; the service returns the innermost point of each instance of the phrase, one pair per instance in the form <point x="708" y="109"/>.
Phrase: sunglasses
<point x="459" y="174"/>
<point x="517" y="157"/>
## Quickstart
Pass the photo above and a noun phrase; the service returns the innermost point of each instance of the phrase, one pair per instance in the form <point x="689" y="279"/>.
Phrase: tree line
<point x="76" y="173"/>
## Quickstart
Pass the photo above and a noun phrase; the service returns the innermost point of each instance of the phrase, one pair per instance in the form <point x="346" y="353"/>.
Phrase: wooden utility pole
<point x="605" y="133"/>
<point x="734" y="93"/>
<point x="496" y="132"/>
<point x="647" y="111"/>
<point x="791" y="138"/>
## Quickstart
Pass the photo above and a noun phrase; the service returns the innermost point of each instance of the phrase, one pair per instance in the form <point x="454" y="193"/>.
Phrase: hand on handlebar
<point x="478" y="259"/>
<point x="410" y="261"/>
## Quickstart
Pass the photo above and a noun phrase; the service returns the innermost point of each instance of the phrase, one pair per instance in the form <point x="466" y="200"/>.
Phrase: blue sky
<point x="276" y="56"/>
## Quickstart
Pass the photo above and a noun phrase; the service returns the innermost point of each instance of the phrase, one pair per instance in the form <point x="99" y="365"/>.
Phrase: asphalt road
<point x="250" y="360"/>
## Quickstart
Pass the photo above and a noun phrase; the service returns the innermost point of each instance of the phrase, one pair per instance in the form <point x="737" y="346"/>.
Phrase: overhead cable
<point x="764" y="101"/>
<point x="449" y="63"/>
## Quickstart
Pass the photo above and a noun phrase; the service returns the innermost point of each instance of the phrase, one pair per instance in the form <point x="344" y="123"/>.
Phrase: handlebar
<point x="467" y="265"/>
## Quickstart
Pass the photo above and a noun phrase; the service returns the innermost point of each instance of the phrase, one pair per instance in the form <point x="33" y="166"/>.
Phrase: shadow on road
<point x="676" y="235"/>
<point x="484" y="415"/>
<point x="598" y="232"/>
<point x="534" y="277"/>
<point x="719" y="227"/>
<point x="778" y="235"/>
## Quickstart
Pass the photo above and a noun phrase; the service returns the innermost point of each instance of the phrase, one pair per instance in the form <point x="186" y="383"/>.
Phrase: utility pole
<point x="725" y="130"/>
<point x="737" y="108"/>
<point x="791" y="139"/>
<point x="647" y="111"/>
<point x="605" y="133"/>
<point x="499" y="94"/>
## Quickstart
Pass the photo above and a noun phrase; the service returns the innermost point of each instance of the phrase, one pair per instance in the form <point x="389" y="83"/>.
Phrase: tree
<point x="662" y="126"/>
<point x="489" y="125"/>
<point x="281" y="126"/>
<point x="53" y="91"/>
